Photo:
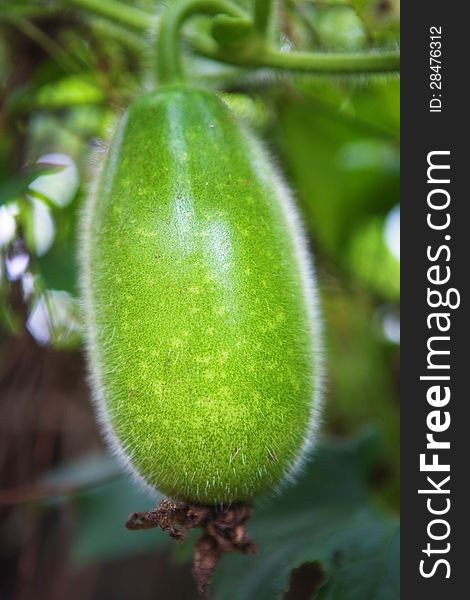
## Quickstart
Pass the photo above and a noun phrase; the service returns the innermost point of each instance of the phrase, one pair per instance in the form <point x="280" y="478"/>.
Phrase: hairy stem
<point x="372" y="62"/>
<point x="169" y="68"/>
<point x="307" y="62"/>
<point x="262" y="14"/>
<point x="117" y="12"/>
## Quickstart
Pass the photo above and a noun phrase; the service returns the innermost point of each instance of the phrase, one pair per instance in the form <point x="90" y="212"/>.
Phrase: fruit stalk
<point x="262" y="14"/>
<point x="169" y="68"/>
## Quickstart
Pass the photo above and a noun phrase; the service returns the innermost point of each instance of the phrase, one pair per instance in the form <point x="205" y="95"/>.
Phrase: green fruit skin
<point x="198" y="296"/>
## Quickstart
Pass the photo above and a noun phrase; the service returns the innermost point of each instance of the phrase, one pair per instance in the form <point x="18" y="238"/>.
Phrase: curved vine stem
<point x="310" y="62"/>
<point x="307" y="62"/>
<point x="262" y="14"/>
<point x="118" y="12"/>
<point x="364" y="62"/>
<point x="169" y="68"/>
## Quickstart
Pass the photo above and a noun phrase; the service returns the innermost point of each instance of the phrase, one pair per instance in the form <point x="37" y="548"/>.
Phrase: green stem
<point x="316" y="62"/>
<point x="307" y="62"/>
<point x="118" y="12"/>
<point x="262" y="14"/>
<point x="169" y="68"/>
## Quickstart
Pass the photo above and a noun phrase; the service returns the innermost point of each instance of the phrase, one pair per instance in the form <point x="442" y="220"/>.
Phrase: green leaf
<point x="86" y="472"/>
<point x="343" y="163"/>
<point x="230" y="30"/>
<point x="371" y="261"/>
<point x="371" y="577"/>
<point x="15" y="186"/>
<point x="325" y="519"/>
<point x="362" y="385"/>
<point x="58" y="266"/>
<point x="100" y="515"/>
<point x="71" y="90"/>
<point x="101" y="499"/>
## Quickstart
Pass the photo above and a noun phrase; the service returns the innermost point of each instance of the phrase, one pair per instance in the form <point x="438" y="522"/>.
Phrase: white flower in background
<point x="59" y="187"/>
<point x="54" y="319"/>
<point x="392" y="231"/>
<point x="43" y="227"/>
<point x="7" y="223"/>
<point x="16" y="265"/>
<point x="391" y="327"/>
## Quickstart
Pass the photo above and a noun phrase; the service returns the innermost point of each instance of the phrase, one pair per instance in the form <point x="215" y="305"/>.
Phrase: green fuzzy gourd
<point x="203" y="334"/>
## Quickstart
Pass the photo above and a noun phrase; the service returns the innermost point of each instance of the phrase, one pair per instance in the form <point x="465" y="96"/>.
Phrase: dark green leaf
<point x="99" y="531"/>
<point x="325" y="519"/>
<point x="15" y="186"/>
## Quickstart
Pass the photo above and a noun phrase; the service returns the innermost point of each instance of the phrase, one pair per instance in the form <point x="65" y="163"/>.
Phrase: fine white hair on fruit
<point x="275" y="185"/>
<point x="310" y="290"/>
<point x="123" y="455"/>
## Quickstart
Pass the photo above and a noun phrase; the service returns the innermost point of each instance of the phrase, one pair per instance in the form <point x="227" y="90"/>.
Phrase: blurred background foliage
<point x="65" y="74"/>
